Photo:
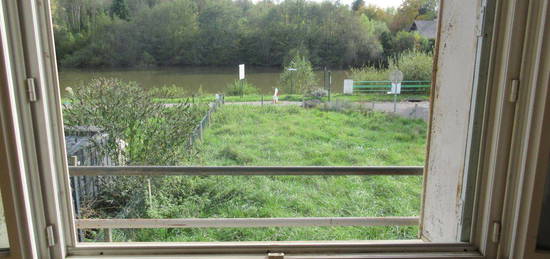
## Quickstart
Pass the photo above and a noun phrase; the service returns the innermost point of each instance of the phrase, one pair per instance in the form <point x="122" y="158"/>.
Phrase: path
<point x="418" y="110"/>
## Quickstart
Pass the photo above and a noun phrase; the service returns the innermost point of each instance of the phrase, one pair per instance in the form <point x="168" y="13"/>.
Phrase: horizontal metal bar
<point x="406" y="81"/>
<point x="239" y="170"/>
<point x="245" y="222"/>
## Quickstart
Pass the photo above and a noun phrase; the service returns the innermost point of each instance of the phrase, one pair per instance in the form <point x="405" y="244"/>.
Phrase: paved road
<point x="419" y="110"/>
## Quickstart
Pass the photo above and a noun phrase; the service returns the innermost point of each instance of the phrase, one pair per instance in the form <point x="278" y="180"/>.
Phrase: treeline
<point x="130" y="33"/>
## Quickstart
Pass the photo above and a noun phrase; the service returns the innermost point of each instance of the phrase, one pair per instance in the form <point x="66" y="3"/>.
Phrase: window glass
<point x="3" y="231"/>
<point x="245" y="83"/>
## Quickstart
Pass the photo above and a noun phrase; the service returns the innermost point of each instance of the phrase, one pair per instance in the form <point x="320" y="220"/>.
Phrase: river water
<point x="209" y="79"/>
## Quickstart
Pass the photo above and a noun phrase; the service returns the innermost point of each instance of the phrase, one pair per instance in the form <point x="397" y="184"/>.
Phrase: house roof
<point x="427" y="29"/>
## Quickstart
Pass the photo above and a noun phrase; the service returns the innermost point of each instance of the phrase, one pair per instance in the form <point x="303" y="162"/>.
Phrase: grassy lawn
<point x="289" y="135"/>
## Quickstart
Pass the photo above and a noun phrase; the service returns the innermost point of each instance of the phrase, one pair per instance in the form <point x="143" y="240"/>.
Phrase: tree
<point x="120" y="9"/>
<point x="298" y="76"/>
<point x="357" y="5"/>
<point x="411" y="10"/>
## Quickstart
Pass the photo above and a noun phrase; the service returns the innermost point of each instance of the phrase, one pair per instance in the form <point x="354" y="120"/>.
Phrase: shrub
<point x="415" y="65"/>
<point x="243" y="87"/>
<point x="369" y="74"/>
<point x="317" y="93"/>
<point x="165" y="91"/>
<point x="153" y="133"/>
<point x="298" y="76"/>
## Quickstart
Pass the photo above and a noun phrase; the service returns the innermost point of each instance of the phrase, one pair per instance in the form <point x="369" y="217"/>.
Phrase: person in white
<point x="276" y="96"/>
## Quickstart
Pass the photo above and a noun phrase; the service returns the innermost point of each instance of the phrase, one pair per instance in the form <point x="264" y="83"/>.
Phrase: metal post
<point x="329" y="84"/>
<point x="292" y="83"/>
<point x="394" y="103"/>
<point x="242" y="88"/>
<point x="262" y="99"/>
<point x="150" y="193"/>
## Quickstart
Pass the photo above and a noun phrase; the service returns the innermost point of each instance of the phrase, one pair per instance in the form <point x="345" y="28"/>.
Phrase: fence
<point x="382" y="87"/>
<point x="109" y="224"/>
<point x="203" y="123"/>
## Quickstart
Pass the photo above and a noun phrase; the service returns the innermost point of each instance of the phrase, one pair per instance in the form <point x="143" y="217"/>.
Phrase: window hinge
<point x="276" y="256"/>
<point x="50" y="236"/>
<point x="496" y="232"/>
<point x="31" y="90"/>
<point x="514" y="91"/>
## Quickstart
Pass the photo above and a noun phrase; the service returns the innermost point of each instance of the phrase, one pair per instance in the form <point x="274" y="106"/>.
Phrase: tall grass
<point x="414" y="65"/>
<point x="290" y="135"/>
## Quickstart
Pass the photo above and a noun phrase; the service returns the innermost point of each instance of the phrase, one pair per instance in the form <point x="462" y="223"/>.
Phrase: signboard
<point x="395" y="88"/>
<point x="241" y="71"/>
<point x="396" y="77"/>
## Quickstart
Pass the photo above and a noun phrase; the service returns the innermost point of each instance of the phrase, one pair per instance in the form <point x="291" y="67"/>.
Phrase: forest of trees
<point x="141" y="33"/>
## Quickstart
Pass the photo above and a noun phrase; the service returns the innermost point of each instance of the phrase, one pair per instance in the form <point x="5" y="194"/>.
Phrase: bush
<point x="238" y="88"/>
<point x="369" y="74"/>
<point x="300" y="78"/>
<point x="139" y="131"/>
<point x="317" y="93"/>
<point x="165" y="91"/>
<point x="153" y="133"/>
<point x="415" y="65"/>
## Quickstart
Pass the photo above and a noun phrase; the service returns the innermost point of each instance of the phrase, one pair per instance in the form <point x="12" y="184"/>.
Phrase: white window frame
<point x="35" y="185"/>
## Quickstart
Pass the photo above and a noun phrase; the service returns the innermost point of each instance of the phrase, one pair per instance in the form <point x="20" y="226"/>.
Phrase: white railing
<point x="109" y="224"/>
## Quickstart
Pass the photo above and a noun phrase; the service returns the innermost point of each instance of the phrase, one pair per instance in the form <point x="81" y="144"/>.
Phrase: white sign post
<point x="396" y="77"/>
<point x="241" y="78"/>
<point x="241" y="71"/>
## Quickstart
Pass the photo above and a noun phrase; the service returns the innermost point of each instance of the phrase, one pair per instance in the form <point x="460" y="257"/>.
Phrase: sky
<point x="380" y="3"/>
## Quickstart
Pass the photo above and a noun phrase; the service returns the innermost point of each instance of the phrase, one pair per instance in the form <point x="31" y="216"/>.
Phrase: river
<point x="209" y="79"/>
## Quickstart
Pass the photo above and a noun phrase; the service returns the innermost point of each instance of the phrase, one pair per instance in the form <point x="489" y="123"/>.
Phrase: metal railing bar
<point x="244" y="222"/>
<point x="237" y="170"/>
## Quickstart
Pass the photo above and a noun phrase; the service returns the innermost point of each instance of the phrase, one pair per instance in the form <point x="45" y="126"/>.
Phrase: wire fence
<point x="198" y="132"/>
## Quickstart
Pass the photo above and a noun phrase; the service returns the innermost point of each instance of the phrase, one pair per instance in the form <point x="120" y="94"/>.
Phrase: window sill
<point x="293" y="249"/>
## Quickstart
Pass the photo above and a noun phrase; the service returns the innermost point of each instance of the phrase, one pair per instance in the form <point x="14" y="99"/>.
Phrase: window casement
<point x="485" y="49"/>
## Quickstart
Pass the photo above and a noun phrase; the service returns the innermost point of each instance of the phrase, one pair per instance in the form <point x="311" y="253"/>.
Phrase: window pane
<point x="252" y="198"/>
<point x="244" y="83"/>
<point x="3" y="232"/>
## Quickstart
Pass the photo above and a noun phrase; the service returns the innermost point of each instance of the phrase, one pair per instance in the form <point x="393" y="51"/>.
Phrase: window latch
<point x="50" y="236"/>
<point x="496" y="232"/>
<point x="276" y="256"/>
<point x="31" y="90"/>
<point x="514" y="88"/>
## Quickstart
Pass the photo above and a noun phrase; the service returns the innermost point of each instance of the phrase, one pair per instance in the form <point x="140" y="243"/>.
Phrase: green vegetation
<point x="126" y="33"/>
<point x="290" y="135"/>
<point x="298" y="76"/>
<point x="414" y="65"/>
<point x="240" y="88"/>
<point x="140" y="131"/>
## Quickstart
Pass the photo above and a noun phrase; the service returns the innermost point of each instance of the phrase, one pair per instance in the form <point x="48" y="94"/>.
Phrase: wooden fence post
<point x="108" y="235"/>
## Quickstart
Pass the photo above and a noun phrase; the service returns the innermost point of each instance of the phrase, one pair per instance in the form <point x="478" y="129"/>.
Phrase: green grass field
<point x="290" y="135"/>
